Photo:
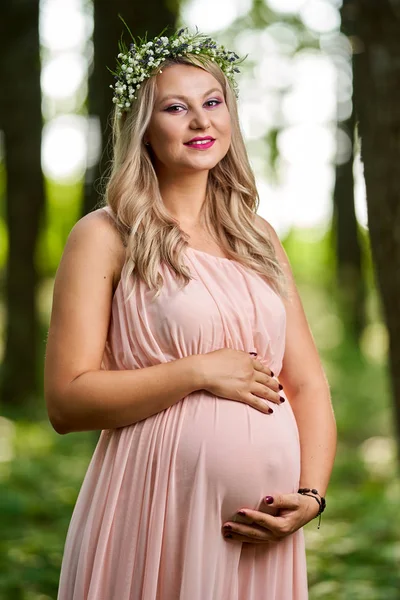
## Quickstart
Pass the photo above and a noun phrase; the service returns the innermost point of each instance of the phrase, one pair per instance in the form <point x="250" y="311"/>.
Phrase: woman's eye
<point x="177" y="108"/>
<point x="213" y="102"/>
<point x="172" y="108"/>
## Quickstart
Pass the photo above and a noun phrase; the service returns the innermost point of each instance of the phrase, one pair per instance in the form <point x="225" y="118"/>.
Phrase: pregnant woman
<point x="174" y="313"/>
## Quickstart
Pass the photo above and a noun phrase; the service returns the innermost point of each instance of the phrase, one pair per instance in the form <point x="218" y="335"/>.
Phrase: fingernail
<point x="268" y="499"/>
<point x="282" y="399"/>
<point x="227" y="527"/>
<point x="227" y="535"/>
<point x="241" y="512"/>
<point x="272" y="374"/>
<point x="253" y="353"/>
<point x="270" y="410"/>
<point x="280" y="386"/>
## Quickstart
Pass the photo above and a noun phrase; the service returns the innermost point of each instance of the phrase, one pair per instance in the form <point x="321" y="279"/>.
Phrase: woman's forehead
<point x="185" y="80"/>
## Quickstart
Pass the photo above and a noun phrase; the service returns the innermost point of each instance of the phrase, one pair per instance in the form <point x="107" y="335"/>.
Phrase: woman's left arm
<point x="306" y="386"/>
<point x="307" y="389"/>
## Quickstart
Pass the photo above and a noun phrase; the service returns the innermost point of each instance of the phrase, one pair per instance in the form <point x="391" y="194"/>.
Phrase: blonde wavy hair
<point x="149" y="233"/>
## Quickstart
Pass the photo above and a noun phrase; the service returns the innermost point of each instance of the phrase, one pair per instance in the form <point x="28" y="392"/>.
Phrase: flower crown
<point x="142" y="59"/>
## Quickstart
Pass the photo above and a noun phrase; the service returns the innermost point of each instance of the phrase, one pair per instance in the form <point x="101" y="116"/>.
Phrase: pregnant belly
<point x="237" y="452"/>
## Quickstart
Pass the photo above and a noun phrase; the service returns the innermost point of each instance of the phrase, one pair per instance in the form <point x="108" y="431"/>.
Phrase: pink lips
<point x="206" y="142"/>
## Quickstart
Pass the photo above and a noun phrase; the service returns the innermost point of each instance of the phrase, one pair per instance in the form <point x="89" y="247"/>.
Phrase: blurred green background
<point x="297" y="112"/>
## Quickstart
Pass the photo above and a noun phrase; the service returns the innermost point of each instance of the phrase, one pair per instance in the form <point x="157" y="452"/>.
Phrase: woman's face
<point x="189" y="104"/>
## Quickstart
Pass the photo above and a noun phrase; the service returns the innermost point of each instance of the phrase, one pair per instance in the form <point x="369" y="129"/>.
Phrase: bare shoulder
<point x="265" y="226"/>
<point x="83" y="293"/>
<point x="95" y="239"/>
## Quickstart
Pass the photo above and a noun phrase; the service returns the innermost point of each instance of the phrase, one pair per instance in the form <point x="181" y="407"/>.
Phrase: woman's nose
<point x="200" y="121"/>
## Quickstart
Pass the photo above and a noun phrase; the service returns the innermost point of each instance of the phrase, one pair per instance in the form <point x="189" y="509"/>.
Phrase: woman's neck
<point x="184" y="195"/>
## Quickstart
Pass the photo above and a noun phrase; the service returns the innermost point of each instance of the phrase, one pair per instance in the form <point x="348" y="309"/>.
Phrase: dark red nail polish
<point x="280" y="386"/>
<point x="227" y="535"/>
<point x="241" y="512"/>
<point x="227" y="527"/>
<point x="253" y="353"/>
<point x="282" y="399"/>
<point x="270" y="411"/>
<point x="268" y="499"/>
<point x="272" y="374"/>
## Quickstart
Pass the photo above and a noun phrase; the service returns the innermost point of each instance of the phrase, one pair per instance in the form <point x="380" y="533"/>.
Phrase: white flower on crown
<point x="131" y="71"/>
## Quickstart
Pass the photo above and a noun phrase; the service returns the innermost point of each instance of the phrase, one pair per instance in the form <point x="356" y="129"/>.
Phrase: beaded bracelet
<point x="313" y="493"/>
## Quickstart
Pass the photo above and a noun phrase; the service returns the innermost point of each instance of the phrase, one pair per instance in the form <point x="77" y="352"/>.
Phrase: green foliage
<point x="62" y="212"/>
<point x="356" y="553"/>
<point x="39" y="489"/>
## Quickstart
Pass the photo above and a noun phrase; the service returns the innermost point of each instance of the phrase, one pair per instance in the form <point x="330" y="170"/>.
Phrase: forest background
<point x="320" y="111"/>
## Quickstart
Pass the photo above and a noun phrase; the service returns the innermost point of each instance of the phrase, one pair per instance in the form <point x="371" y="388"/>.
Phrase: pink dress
<point x="147" y="524"/>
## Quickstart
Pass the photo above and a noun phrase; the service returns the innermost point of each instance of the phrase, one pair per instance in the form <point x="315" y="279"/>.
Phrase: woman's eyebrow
<point x="180" y="97"/>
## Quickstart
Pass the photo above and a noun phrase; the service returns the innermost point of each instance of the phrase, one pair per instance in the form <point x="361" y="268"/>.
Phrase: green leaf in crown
<point x="143" y="58"/>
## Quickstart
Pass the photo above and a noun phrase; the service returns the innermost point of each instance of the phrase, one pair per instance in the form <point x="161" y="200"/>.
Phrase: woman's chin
<point x="203" y="163"/>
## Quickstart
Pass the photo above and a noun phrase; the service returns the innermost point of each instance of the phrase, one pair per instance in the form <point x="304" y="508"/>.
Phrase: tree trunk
<point x="21" y="122"/>
<point x="377" y="99"/>
<point x="152" y="17"/>
<point x="351" y="289"/>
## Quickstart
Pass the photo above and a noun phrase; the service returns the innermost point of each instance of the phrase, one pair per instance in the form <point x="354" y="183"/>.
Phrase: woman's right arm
<point x="80" y="396"/>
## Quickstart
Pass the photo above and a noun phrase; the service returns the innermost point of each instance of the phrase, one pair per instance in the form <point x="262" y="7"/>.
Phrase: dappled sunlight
<point x="329" y="531"/>
<point x="44" y="299"/>
<point x="7" y="437"/>
<point x="285" y="36"/>
<point x="64" y="26"/>
<point x="213" y="16"/>
<point x="374" y="342"/>
<point x="393" y="495"/>
<point x="379" y="456"/>
<point x="281" y="87"/>
<point x="320" y="16"/>
<point x="328" y="331"/>
<point x="62" y="75"/>
<point x="2" y="328"/>
<point x="285" y="6"/>
<point x="64" y="148"/>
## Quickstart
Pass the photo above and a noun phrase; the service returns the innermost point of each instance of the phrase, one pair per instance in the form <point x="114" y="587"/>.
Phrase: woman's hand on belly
<point x="295" y="510"/>
<point x="238" y="376"/>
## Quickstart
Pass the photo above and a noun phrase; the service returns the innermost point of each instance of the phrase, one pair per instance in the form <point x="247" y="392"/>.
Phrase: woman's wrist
<point x="197" y="368"/>
<point x="314" y="494"/>
<point x="312" y="506"/>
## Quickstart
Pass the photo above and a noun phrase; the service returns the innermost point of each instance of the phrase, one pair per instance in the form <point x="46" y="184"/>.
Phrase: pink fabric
<point x="147" y="523"/>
